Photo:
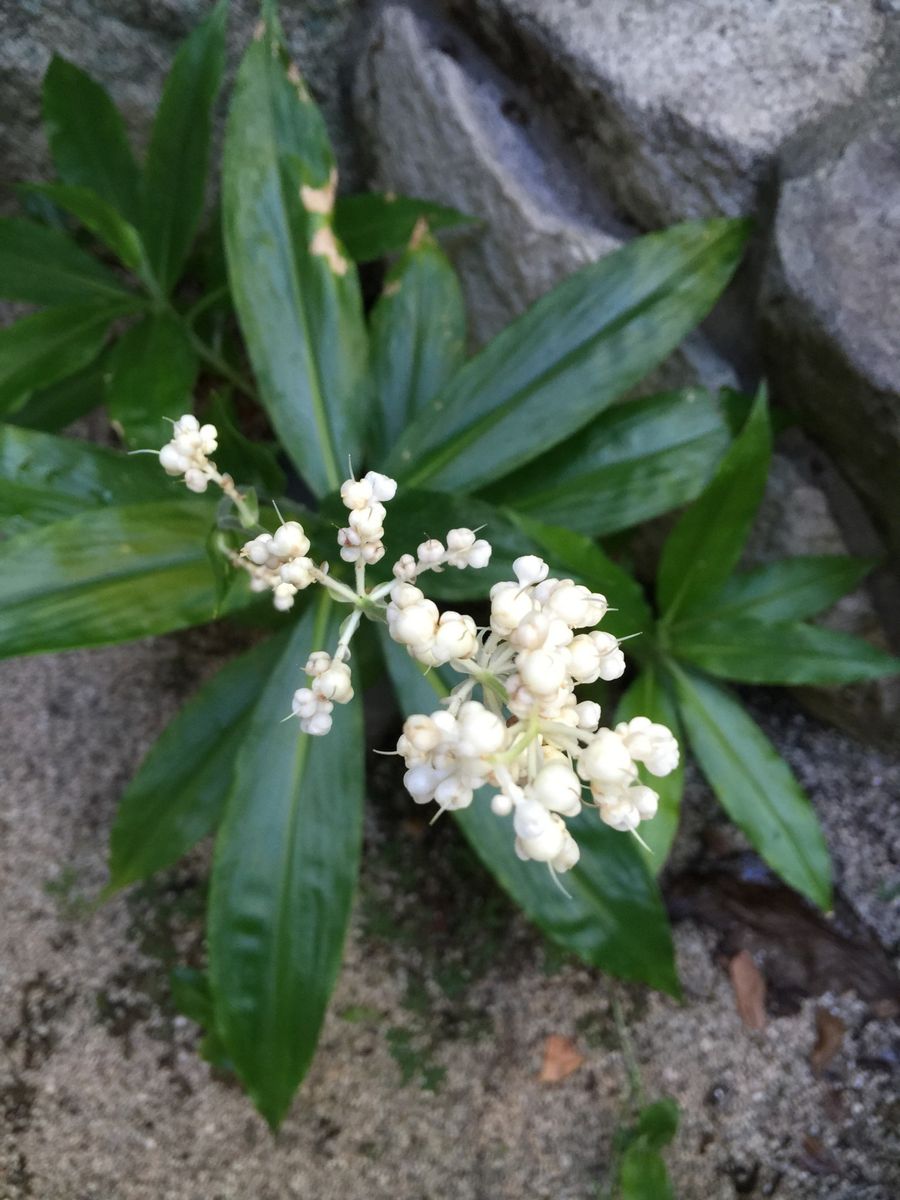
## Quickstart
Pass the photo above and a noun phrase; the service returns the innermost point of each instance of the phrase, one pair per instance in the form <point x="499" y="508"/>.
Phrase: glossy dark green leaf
<point x="577" y="556"/>
<point x="178" y="155"/>
<point x="283" y="879"/>
<point x="643" y="1175"/>
<point x="108" y="575"/>
<point x="560" y="364"/>
<point x="45" y="478"/>
<point x="634" y="462"/>
<point x="53" y="408"/>
<point x="702" y="549"/>
<point x="418" y="331"/>
<point x="43" y="266"/>
<point x="647" y="697"/>
<point x="41" y="349"/>
<point x="178" y="794"/>
<point x="296" y="294"/>
<point x="375" y="224"/>
<point x="750" y="651"/>
<point x="613" y="916"/>
<point x="101" y="218"/>
<point x="192" y="996"/>
<point x="755" y="786"/>
<point x="247" y="461"/>
<point x="150" y="376"/>
<point x="790" y="590"/>
<point x="87" y="138"/>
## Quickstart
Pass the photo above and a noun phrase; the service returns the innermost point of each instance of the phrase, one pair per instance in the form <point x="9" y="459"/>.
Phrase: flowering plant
<point x="526" y="441"/>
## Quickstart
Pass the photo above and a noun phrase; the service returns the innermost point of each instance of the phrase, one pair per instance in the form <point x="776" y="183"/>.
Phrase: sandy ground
<point x="426" y="1083"/>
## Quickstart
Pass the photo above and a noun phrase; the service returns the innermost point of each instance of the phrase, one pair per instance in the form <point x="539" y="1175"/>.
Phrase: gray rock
<point x="443" y="124"/>
<point x="679" y="107"/>
<point x="797" y="517"/>
<point x="128" y="46"/>
<point x="829" y="311"/>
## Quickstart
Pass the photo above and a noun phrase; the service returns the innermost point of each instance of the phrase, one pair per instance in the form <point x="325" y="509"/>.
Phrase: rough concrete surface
<point x="425" y="1085"/>
<point x="681" y="106"/>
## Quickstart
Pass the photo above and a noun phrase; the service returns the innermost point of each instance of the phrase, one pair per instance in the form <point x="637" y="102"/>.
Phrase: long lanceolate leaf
<point x="295" y="291"/>
<point x="87" y="138"/>
<point x="418" y="338"/>
<point x="561" y="363"/>
<point x="108" y="575"/>
<point x="150" y="376"/>
<point x="178" y="156"/>
<point x="635" y="461"/>
<point x="283" y="879"/>
<point x="613" y="916"/>
<point x="789" y="652"/>
<point x="754" y="784"/>
<point x="791" y="590"/>
<point x="179" y="793"/>
<point x="43" y="266"/>
<point x="704" y="546"/>
<point x="101" y="218"/>
<point x="41" y="349"/>
<point x="45" y="478"/>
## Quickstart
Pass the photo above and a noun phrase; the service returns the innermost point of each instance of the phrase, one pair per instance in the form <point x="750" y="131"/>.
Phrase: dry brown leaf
<point x="749" y="990"/>
<point x="561" y="1058"/>
<point x="830" y="1030"/>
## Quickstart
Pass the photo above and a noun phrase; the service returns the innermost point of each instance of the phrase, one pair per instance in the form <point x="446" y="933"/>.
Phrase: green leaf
<point x="247" y="462"/>
<point x="87" y="138"/>
<point x="613" y="918"/>
<point x="418" y="339"/>
<point x="108" y="575"/>
<point x="755" y="786"/>
<point x="178" y="155"/>
<point x="42" y="266"/>
<point x="179" y="793"/>
<point x="283" y="878"/>
<point x="150" y="376"/>
<point x="579" y="348"/>
<point x="54" y="407"/>
<point x="643" y="1175"/>
<point x="192" y="995"/>
<point x="103" y="220"/>
<point x="45" y="478"/>
<point x="634" y="462"/>
<point x="376" y="224"/>
<point x="647" y="697"/>
<point x="586" y="563"/>
<point x="296" y="294"/>
<point x="704" y="546"/>
<point x="786" y="653"/>
<point x="790" y="590"/>
<point x="41" y="349"/>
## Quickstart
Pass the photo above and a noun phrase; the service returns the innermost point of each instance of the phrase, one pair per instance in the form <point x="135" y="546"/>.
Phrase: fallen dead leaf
<point x="830" y="1030"/>
<point x="749" y="990"/>
<point x="561" y="1058"/>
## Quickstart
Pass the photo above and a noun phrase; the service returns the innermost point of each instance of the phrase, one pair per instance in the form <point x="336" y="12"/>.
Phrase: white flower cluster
<point x="529" y="737"/>
<point x="533" y="657"/>
<point x="279" y="561"/>
<point x="331" y="685"/>
<point x="188" y="453"/>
